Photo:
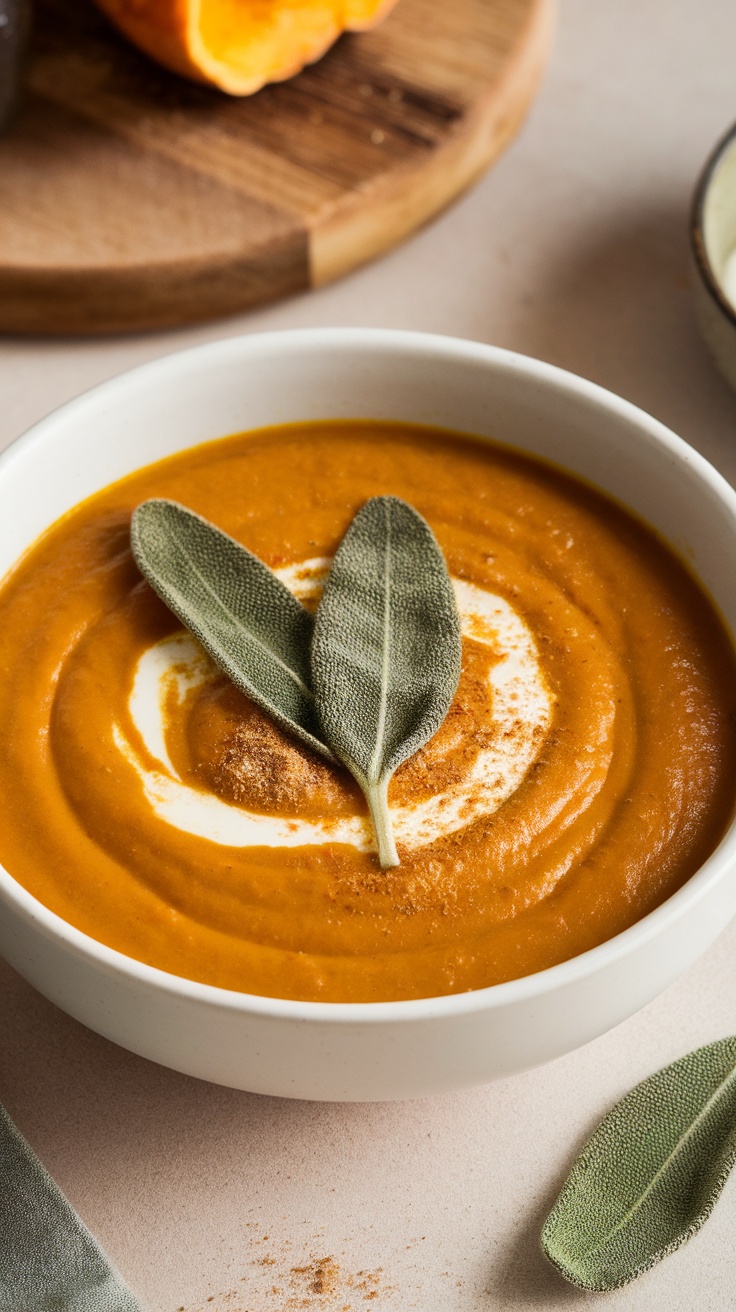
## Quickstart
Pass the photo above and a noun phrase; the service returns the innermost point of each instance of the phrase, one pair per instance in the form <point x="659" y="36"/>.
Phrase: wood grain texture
<point x="132" y="199"/>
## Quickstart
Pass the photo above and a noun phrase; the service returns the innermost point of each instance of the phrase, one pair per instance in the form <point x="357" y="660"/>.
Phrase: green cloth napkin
<point x="49" y="1261"/>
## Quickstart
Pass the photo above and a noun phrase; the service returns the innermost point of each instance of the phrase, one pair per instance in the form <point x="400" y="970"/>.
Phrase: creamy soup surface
<point x="586" y="768"/>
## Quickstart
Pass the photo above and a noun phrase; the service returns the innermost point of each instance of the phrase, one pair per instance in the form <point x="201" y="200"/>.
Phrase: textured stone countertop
<point x="574" y="249"/>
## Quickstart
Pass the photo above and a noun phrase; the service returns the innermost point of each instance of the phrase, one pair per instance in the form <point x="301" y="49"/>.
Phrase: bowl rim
<point x="701" y="258"/>
<point x="445" y="1006"/>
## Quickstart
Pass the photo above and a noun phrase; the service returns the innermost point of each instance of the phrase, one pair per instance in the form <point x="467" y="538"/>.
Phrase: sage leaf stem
<point x="377" y="798"/>
<point x="242" y="614"/>
<point x="650" y="1175"/>
<point x="386" y="650"/>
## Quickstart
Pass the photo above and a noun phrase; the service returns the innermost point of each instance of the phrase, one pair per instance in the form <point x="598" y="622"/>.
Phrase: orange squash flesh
<point x="240" y="45"/>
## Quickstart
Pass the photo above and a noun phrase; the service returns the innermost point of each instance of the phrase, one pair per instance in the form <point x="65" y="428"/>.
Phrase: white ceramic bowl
<point x="369" y="1050"/>
<point x="713" y="244"/>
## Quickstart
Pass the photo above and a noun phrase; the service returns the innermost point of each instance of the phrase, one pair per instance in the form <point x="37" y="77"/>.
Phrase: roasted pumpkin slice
<point x="238" y="45"/>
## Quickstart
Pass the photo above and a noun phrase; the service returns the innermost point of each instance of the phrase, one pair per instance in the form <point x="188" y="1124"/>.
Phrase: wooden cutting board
<point x="131" y="199"/>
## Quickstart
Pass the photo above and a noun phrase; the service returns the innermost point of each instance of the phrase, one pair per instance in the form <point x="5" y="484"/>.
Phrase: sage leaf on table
<point x="241" y="613"/>
<point x="385" y="650"/>
<point x="650" y="1175"/>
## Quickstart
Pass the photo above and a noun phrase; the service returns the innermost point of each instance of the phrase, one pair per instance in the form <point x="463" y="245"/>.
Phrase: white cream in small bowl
<point x="713" y="238"/>
<point x="410" y="1048"/>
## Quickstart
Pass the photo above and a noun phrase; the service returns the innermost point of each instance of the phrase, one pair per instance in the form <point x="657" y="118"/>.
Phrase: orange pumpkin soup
<point x="584" y="772"/>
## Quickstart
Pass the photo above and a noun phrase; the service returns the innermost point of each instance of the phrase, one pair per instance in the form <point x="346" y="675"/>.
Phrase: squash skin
<point x="170" y="31"/>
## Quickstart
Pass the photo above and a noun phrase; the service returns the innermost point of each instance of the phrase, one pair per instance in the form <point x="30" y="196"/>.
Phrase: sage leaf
<point x="241" y="613"/>
<point x="385" y="650"/>
<point x="650" y="1175"/>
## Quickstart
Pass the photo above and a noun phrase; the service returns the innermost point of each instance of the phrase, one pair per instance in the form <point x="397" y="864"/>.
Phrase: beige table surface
<point x="573" y="249"/>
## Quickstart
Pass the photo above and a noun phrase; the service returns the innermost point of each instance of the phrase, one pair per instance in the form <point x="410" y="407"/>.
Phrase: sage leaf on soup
<point x="650" y="1175"/>
<point x="243" y="615"/>
<point x="385" y="650"/>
